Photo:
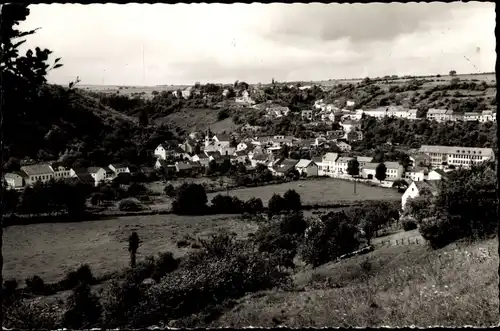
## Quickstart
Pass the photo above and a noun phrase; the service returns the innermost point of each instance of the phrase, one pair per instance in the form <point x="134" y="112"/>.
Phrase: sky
<point x="161" y="44"/>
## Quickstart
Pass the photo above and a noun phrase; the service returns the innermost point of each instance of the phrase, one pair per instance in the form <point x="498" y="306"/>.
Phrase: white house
<point x="487" y="116"/>
<point x="341" y="165"/>
<point x="259" y="159"/>
<point x="393" y="170"/>
<point x="362" y="160"/>
<point x="14" y="180"/>
<point x="98" y="174"/>
<point x="307" y="114"/>
<point x="471" y="116"/>
<point x="412" y="114"/>
<point x="436" y="174"/>
<point x="119" y="168"/>
<point x="350" y="103"/>
<point x="416" y="174"/>
<point x="202" y="158"/>
<point x="186" y="93"/>
<point x="37" y="172"/>
<point x="161" y="152"/>
<point x="241" y="146"/>
<point x="60" y="171"/>
<point x="344" y="146"/>
<point x="416" y="188"/>
<point x="377" y="112"/>
<point x="307" y="167"/>
<point x="328" y="163"/>
<point x="439" y="115"/>
<point x="350" y="125"/>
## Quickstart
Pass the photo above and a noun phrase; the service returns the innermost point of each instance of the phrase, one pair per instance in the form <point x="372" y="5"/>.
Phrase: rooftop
<point x="456" y="150"/>
<point x="37" y="169"/>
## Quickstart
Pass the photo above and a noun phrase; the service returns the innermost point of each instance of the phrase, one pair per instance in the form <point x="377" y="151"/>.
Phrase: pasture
<point x="50" y="250"/>
<point x="321" y="191"/>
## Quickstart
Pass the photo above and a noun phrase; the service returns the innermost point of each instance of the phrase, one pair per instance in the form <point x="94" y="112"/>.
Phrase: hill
<point x="396" y="286"/>
<point x="79" y="130"/>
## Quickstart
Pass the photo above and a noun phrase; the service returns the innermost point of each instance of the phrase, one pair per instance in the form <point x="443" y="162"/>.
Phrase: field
<point x="323" y="191"/>
<point x="50" y="250"/>
<point x="201" y="119"/>
<point x="391" y="286"/>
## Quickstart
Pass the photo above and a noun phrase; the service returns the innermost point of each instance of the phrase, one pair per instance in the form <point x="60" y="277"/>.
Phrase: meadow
<point x="391" y="286"/>
<point x="50" y="250"/>
<point x="321" y="191"/>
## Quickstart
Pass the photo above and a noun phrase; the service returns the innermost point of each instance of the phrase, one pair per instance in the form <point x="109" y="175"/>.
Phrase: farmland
<point x="322" y="191"/>
<point x="50" y="250"/>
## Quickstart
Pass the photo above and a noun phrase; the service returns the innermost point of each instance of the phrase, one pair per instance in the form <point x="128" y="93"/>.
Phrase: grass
<point x="317" y="191"/>
<point x="201" y="119"/>
<point x="50" y="250"/>
<point x="407" y="285"/>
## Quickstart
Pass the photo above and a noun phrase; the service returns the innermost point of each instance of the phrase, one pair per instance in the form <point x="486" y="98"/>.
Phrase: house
<point x="412" y="114"/>
<point x="118" y="168"/>
<point x="416" y="174"/>
<point x="335" y="134"/>
<point x="344" y="147"/>
<point x="37" y="172"/>
<point x="98" y="174"/>
<point x="457" y="117"/>
<point x="164" y="149"/>
<point x="160" y="163"/>
<point x="213" y="155"/>
<point x="14" y="180"/>
<point x="258" y="159"/>
<point x="189" y="146"/>
<point x="487" y="116"/>
<point x="307" y="114"/>
<point x="242" y="146"/>
<point x="240" y="157"/>
<point x="307" y="168"/>
<point x="380" y="112"/>
<point x="202" y="158"/>
<point x="284" y="167"/>
<point x="362" y="160"/>
<point x="350" y="103"/>
<point x="420" y="159"/>
<point x="227" y="150"/>
<point x="186" y="93"/>
<point x="318" y="160"/>
<point x="183" y="168"/>
<point x="60" y="171"/>
<point x="437" y="174"/>
<point x="439" y="115"/>
<point x="350" y="125"/>
<point x="110" y="174"/>
<point x="341" y="165"/>
<point x="442" y="156"/>
<point x="415" y="189"/>
<point x="83" y="176"/>
<point x="394" y="170"/>
<point x="222" y="138"/>
<point x="471" y="116"/>
<point x="328" y="163"/>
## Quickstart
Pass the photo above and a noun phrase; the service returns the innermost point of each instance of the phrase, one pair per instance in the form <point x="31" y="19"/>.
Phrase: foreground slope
<point x="396" y="286"/>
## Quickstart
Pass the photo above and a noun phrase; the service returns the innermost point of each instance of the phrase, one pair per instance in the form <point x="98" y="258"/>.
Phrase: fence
<point x="417" y="240"/>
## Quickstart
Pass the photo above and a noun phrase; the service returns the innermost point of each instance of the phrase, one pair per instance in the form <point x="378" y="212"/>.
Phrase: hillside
<point x="396" y="286"/>
<point x="73" y="126"/>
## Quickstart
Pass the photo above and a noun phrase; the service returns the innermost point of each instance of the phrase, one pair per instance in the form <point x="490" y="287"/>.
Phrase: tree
<point x="453" y="73"/>
<point x="169" y="190"/>
<point x="133" y="245"/>
<point x="22" y="76"/>
<point x="83" y="309"/>
<point x="292" y="200"/>
<point x="353" y="170"/>
<point x="276" y="204"/>
<point x="143" y="118"/>
<point x="190" y="199"/>
<point x="380" y="172"/>
<point x="233" y="142"/>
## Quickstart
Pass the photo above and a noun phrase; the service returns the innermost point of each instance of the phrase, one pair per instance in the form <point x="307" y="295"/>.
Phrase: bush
<point x="83" y="309"/>
<point x="169" y="190"/>
<point x="226" y="204"/>
<point x="82" y="275"/>
<point x="276" y="204"/>
<point x="329" y="238"/>
<point x="292" y="200"/>
<point x="129" y="205"/>
<point x="253" y="206"/>
<point x="35" y="284"/>
<point x="136" y="189"/>
<point x="33" y="315"/>
<point x="191" y="199"/>
<point x="409" y="224"/>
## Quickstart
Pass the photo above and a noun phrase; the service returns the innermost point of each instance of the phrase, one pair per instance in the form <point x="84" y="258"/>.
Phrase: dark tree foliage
<point x="292" y="200"/>
<point x="276" y="204"/>
<point x="190" y="199"/>
<point x="133" y="245"/>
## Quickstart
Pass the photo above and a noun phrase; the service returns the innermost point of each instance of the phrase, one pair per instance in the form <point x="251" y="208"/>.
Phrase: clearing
<point x="51" y="249"/>
<point x="321" y="191"/>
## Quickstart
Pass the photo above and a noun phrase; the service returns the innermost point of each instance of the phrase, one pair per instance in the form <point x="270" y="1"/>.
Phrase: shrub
<point x="328" y="239"/>
<point x="129" y="205"/>
<point x="409" y="224"/>
<point x="33" y="315"/>
<point x="170" y="190"/>
<point x="292" y="200"/>
<point x="226" y="204"/>
<point x="276" y="204"/>
<point x="136" y="189"/>
<point x="36" y="284"/>
<point x="82" y="275"/>
<point x="83" y="309"/>
<point x="190" y="199"/>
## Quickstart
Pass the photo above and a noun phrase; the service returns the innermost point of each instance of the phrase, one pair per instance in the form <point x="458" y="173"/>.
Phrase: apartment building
<point x="442" y="156"/>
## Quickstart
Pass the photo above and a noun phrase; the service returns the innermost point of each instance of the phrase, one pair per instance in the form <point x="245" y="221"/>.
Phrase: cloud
<point x="185" y="43"/>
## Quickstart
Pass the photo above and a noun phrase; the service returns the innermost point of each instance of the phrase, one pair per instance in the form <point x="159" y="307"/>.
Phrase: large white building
<point x="439" y="115"/>
<point x="442" y="156"/>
